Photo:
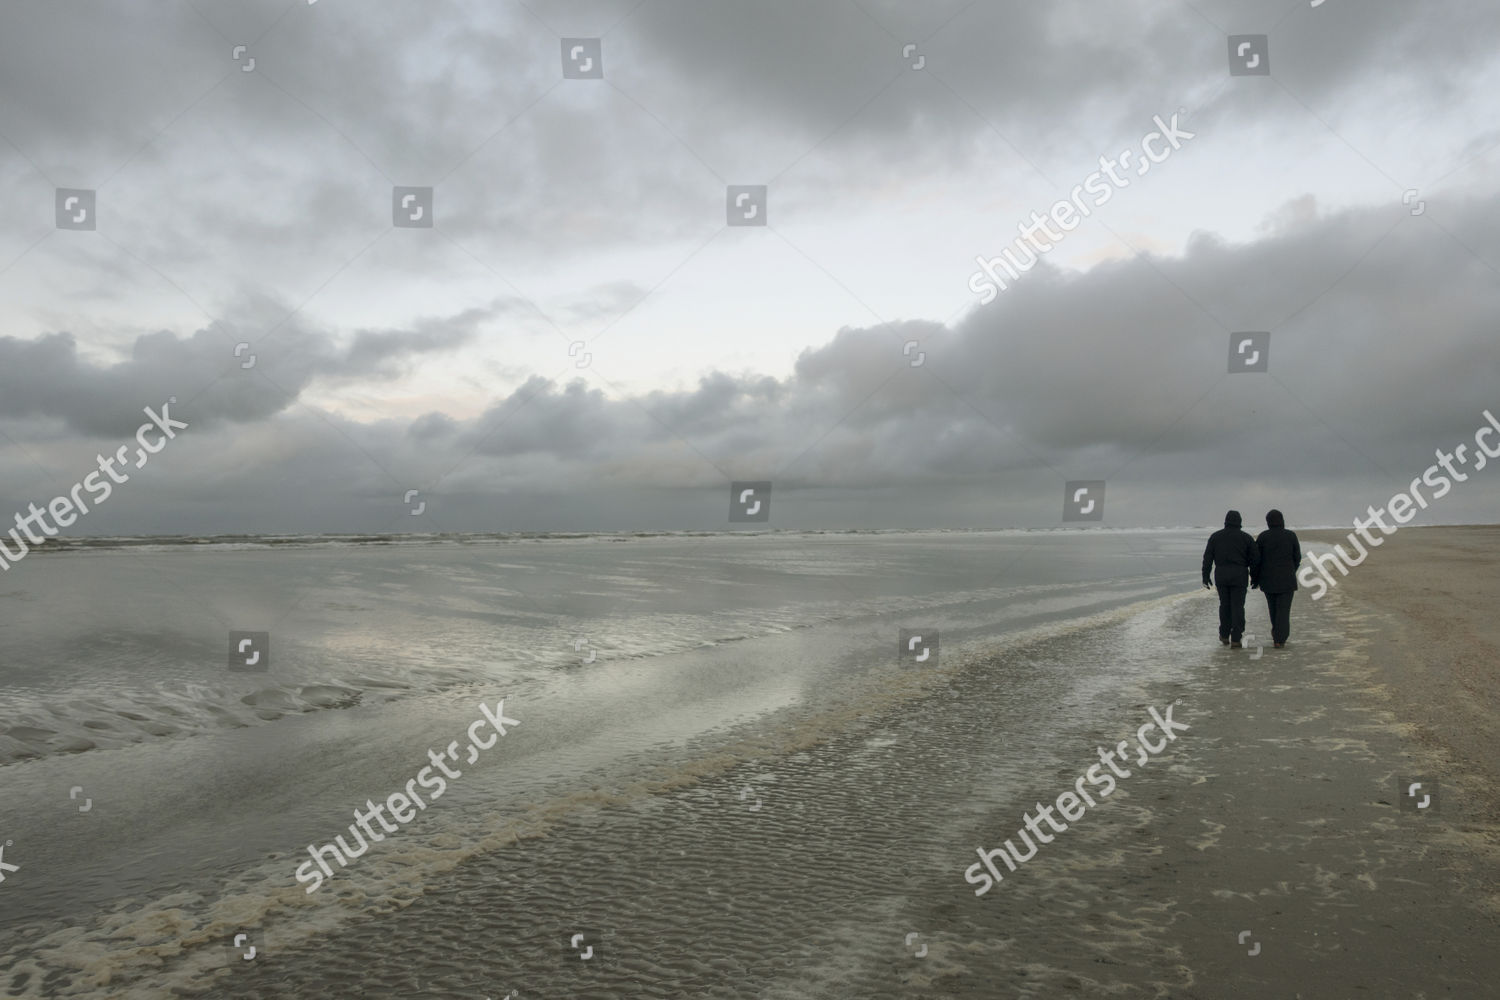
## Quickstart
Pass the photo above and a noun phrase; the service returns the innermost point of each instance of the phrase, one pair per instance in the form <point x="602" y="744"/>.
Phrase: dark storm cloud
<point x="1123" y="360"/>
<point x="346" y="101"/>
<point x="720" y="402"/>
<point x="1382" y="350"/>
<point x="1092" y="371"/>
<point x="574" y="423"/>
<point x="1381" y="337"/>
<point x="1382" y="323"/>
<point x="1039" y="72"/>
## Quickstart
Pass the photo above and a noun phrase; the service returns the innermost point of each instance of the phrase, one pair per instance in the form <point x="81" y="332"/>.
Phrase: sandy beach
<point x="1437" y="655"/>
<point x="1278" y="815"/>
<point x="680" y="500"/>
<point x="791" y="815"/>
<point x="1263" y="854"/>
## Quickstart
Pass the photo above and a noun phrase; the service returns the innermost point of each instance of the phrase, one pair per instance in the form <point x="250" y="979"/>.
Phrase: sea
<point x="732" y="771"/>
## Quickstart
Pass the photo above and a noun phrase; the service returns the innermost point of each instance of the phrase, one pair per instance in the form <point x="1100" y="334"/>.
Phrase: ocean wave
<point x="223" y="543"/>
<point x="43" y="728"/>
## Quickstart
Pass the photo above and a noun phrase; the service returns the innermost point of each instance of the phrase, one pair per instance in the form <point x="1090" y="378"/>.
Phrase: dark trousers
<point x="1231" y="612"/>
<point x="1280" y="606"/>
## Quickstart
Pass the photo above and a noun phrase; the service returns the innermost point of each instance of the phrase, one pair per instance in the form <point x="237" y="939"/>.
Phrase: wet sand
<point x="1263" y="854"/>
<point x="1438" y="656"/>
<point x="1279" y="814"/>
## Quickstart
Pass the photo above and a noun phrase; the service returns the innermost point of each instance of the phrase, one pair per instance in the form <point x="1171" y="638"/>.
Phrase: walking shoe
<point x="1223" y="640"/>
<point x="1280" y="644"/>
<point x="1236" y="645"/>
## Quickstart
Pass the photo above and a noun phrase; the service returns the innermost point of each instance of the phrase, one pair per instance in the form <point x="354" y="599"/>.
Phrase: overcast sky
<point x="580" y="341"/>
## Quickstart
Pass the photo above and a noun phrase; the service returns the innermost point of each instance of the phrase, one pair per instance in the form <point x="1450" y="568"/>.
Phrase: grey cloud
<point x="1382" y="323"/>
<point x="1115" y="371"/>
<point x="432" y="425"/>
<point x="720" y="402"/>
<point x="419" y="89"/>
<point x="373" y="351"/>
<point x="46" y="377"/>
<point x="1096" y="370"/>
<point x="575" y="423"/>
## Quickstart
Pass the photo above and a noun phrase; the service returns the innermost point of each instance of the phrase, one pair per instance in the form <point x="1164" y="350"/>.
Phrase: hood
<point x="1274" y="519"/>
<point x="1232" y="519"/>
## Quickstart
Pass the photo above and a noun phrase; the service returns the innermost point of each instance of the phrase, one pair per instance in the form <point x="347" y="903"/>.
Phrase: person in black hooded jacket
<point x="1230" y="554"/>
<point x="1275" y="573"/>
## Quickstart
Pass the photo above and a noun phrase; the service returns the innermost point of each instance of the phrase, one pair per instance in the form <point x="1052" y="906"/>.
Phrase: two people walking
<point x="1268" y="562"/>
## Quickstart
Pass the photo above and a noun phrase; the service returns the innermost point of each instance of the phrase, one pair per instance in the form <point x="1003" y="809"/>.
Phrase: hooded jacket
<point x="1280" y="554"/>
<point x="1230" y="553"/>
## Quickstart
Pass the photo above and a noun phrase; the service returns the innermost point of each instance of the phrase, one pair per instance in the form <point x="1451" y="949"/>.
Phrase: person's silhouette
<point x="1275" y="573"/>
<point x="1230" y="554"/>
